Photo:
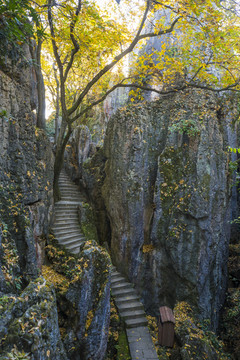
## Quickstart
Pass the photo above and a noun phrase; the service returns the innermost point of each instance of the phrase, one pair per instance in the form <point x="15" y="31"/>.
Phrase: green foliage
<point x="234" y="150"/>
<point x="122" y="347"/>
<point x="88" y="222"/>
<point x="50" y="125"/>
<point x="232" y="166"/>
<point x="15" y="354"/>
<point x="189" y="127"/>
<point x="15" y="27"/>
<point x="3" y="113"/>
<point x="117" y="347"/>
<point x="231" y="320"/>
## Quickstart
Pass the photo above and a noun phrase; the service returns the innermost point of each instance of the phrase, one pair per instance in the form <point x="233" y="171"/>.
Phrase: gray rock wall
<point x="167" y="191"/>
<point x="29" y="305"/>
<point x="26" y="166"/>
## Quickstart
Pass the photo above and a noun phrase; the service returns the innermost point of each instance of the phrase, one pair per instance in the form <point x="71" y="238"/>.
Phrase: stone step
<point x="132" y="323"/>
<point x="73" y="247"/>
<point x="66" y="212"/>
<point x="62" y="216"/>
<point x="66" y="227"/>
<point x="72" y="243"/>
<point x="67" y="240"/>
<point x="122" y="292"/>
<point x="121" y="285"/>
<point x="126" y="299"/>
<point x="67" y="232"/>
<point x="65" y="209"/>
<point x="75" y="251"/>
<point x="69" y="203"/>
<point x="130" y="306"/>
<point x="68" y="222"/>
<point x="71" y="198"/>
<point x="62" y="208"/>
<point x="132" y="314"/>
<point x="70" y="195"/>
<point x="70" y="190"/>
<point x="67" y="187"/>
<point x="117" y="280"/>
<point x="65" y="183"/>
<point x="64" y="176"/>
<point x="115" y="274"/>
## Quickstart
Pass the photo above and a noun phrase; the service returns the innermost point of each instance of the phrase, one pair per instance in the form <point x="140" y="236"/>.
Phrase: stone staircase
<point x="132" y="312"/>
<point x="68" y="232"/>
<point x="127" y="301"/>
<point x="66" y="226"/>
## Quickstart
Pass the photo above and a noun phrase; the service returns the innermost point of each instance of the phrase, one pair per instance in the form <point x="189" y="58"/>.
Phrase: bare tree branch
<point x="160" y="92"/>
<point x="137" y="38"/>
<point x="57" y="56"/>
<point x="74" y="41"/>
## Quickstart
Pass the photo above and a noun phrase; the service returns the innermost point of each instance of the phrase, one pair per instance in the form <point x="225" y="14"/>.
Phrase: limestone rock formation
<point x="167" y="191"/>
<point x="163" y="177"/>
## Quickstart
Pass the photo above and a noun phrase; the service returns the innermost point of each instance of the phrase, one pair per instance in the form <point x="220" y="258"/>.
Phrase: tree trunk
<point x="35" y="50"/>
<point x="41" y="120"/>
<point x="57" y="106"/>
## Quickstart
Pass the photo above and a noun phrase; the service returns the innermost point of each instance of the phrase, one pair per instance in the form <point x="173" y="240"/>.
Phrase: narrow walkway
<point x="131" y="310"/>
<point x="66" y="226"/>
<point x="68" y="232"/>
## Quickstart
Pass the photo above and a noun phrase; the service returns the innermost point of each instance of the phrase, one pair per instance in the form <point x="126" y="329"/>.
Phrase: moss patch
<point x="117" y="348"/>
<point x="87" y="221"/>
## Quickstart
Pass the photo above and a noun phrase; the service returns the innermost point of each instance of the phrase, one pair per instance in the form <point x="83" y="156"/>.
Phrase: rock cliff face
<point x="26" y="163"/>
<point x="163" y="177"/>
<point x="167" y="192"/>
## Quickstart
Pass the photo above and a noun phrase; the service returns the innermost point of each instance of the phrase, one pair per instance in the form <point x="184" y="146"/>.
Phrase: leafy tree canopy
<point x="15" y="26"/>
<point x="86" y="43"/>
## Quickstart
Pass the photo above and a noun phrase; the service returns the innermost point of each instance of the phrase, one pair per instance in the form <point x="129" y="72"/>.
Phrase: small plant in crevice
<point x="15" y="354"/>
<point x="187" y="126"/>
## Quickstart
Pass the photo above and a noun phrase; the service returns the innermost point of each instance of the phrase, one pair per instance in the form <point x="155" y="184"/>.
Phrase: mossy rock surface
<point x="30" y="322"/>
<point x="84" y="299"/>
